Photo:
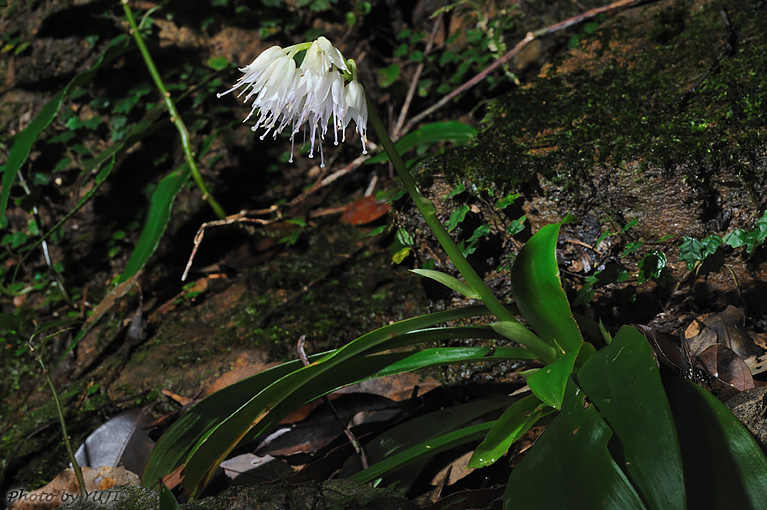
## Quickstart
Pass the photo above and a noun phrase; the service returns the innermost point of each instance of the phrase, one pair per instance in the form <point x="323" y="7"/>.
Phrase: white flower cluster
<point x="313" y="94"/>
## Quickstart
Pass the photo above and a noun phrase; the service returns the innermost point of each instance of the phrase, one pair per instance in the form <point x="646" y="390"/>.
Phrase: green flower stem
<point x="174" y="115"/>
<point x="62" y="421"/>
<point x="536" y="345"/>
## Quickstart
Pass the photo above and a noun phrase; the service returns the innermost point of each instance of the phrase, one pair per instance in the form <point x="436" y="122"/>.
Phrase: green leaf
<point x="518" y="333"/>
<point x="691" y="251"/>
<point x="426" y="449"/>
<point x="22" y="143"/>
<point x="516" y="226"/>
<point x="448" y="281"/>
<point x="218" y="63"/>
<point x="167" y="499"/>
<point x="442" y="356"/>
<point x="548" y="383"/>
<point x="160" y="206"/>
<point x="538" y="291"/>
<point x="503" y="203"/>
<point x="512" y="425"/>
<point x="651" y="266"/>
<point x="570" y="465"/>
<point x="421" y="429"/>
<point x="623" y="382"/>
<point x="723" y="465"/>
<point x="450" y="131"/>
<point x="388" y="75"/>
<point x="457" y="217"/>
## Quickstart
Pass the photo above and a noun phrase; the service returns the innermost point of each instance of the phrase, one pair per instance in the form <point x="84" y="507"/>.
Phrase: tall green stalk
<point x="429" y="213"/>
<point x="174" y="115"/>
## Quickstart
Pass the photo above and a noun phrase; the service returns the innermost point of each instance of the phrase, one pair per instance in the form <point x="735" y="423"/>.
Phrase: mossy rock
<point x="658" y="116"/>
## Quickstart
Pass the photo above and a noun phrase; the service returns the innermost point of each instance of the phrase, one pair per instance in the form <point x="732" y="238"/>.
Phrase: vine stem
<point x="429" y="213"/>
<point x="174" y="115"/>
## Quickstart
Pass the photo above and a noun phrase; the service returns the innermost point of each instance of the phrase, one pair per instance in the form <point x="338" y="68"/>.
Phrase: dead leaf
<point x="248" y="468"/>
<point x="122" y="440"/>
<point x="364" y="210"/>
<point x="722" y="362"/>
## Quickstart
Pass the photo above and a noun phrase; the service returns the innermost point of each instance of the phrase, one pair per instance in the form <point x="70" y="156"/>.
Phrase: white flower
<point x="310" y="96"/>
<point x="321" y="55"/>
<point x="357" y="109"/>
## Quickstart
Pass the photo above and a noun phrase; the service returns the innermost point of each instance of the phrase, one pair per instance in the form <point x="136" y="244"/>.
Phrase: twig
<point x="530" y="37"/>
<point x="349" y="434"/>
<point x="235" y="218"/>
<point x="414" y="82"/>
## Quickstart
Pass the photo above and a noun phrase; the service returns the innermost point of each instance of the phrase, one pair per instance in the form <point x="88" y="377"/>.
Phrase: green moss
<point x="629" y="98"/>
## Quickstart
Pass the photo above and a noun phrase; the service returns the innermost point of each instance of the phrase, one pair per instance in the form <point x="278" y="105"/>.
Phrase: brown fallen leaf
<point x="722" y="362"/>
<point x="364" y="210"/>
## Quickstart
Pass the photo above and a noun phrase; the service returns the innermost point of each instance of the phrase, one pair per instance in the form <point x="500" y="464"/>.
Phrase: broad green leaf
<point x="280" y="398"/>
<point x="160" y="205"/>
<point x="426" y="449"/>
<point x="538" y="291"/>
<point x="723" y="465"/>
<point x="512" y="425"/>
<point x="548" y="383"/>
<point x="519" y="333"/>
<point x="450" y="131"/>
<point x="448" y="281"/>
<point x="570" y="466"/>
<point x="624" y="384"/>
<point x="22" y="143"/>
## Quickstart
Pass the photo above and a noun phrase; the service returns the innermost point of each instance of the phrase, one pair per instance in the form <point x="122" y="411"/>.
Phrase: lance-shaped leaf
<point x="538" y="291"/>
<point x="512" y="425"/>
<point x="22" y="143"/>
<point x="448" y="281"/>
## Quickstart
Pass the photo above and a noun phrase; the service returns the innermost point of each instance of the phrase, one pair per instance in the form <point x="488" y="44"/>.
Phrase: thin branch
<point x="414" y="82"/>
<point x="530" y="37"/>
<point x="349" y="434"/>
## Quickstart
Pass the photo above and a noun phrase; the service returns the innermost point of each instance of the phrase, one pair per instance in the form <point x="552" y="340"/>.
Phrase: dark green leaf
<point x="691" y="251"/>
<point x="160" y="205"/>
<point x="570" y="466"/>
<point x="652" y="266"/>
<point x="512" y="425"/>
<point x="623" y="382"/>
<point x="22" y="143"/>
<point x="426" y="449"/>
<point x="456" y="217"/>
<point x="253" y="410"/>
<point x="167" y="499"/>
<point x="723" y="465"/>
<point x="451" y="131"/>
